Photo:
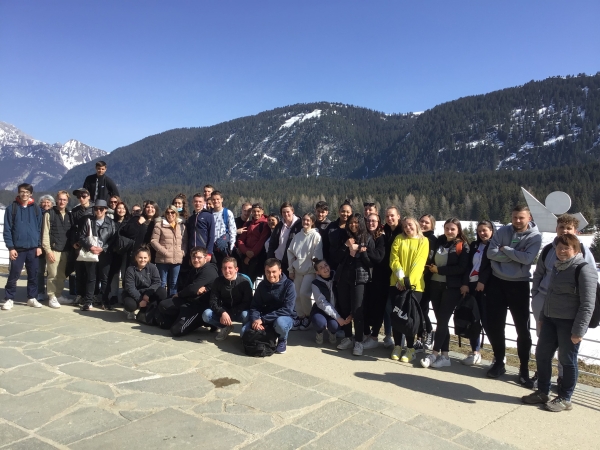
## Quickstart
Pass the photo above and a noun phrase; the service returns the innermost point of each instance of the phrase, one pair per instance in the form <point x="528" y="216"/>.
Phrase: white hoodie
<point x="304" y="247"/>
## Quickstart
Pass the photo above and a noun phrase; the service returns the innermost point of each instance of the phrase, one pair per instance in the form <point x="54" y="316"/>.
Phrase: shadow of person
<point x="460" y="392"/>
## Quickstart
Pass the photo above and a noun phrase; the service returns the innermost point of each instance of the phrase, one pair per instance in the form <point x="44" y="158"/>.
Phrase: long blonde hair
<point x="417" y="226"/>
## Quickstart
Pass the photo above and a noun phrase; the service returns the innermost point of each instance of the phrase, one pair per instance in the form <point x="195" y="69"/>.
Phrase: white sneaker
<point x="441" y="361"/>
<point x="319" y="338"/>
<point x="428" y="360"/>
<point x="358" y="349"/>
<point x="332" y="338"/>
<point x="472" y="359"/>
<point x="223" y="333"/>
<point x="388" y="342"/>
<point x="345" y="344"/>
<point x="369" y="343"/>
<point x="8" y="304"/>
<point x="131" y="316"/>
<point x="34" y="303"/>
<point x="65" y="300"/>
<point x="53" y="302"/>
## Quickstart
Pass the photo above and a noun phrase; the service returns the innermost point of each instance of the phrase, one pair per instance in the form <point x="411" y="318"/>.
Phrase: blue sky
<point x="109" y="73"/>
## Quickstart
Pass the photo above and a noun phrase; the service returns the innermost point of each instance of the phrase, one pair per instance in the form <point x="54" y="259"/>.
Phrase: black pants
<point x="80" y="278"/>
<point x="513" y="295"/>
<point x="115" y="268"/>
<point x="130" y="304"/>
<point x="444" y="300"/>
<point x="410" y="340"/>
<point x="188" y="314"/>
<point x="376" y="293"/>
<point x="425" y="300"/>
<point x="97" y="274"/>
<point x="351" y="302"/>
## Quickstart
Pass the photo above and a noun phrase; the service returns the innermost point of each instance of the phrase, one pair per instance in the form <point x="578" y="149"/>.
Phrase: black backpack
<point x="467" y="319"/>
<point x="260" y="343"/>
<point x="595" y="320"/>
<point x="407" y="317"/>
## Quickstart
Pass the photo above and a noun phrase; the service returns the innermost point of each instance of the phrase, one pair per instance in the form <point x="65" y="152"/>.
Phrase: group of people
<point x="185" y="269"/>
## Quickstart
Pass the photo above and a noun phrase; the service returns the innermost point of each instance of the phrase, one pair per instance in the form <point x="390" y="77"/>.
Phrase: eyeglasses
<point x="368" y="205"/>
<point x="113" y="202"/>
<point x="373" y="221"/>
<point x="24" y="193"/>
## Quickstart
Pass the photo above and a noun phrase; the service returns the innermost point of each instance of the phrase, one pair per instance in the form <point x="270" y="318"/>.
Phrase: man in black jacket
<point x="230" y="298"/>
<point x="99" y="185"/>
<point x="79" y="213"/>
<point x="282" y="235"/>
<point x="191" y="301"/>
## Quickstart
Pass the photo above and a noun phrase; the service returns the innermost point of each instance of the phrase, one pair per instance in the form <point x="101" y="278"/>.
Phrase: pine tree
<point x="595" y="247"/>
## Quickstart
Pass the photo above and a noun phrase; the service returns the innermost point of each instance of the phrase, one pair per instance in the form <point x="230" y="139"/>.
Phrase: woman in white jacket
<point x="305" y="246"/>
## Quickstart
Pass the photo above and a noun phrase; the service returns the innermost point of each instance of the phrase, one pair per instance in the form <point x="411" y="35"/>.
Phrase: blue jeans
<point x="172" y="271"/>
<point x="31" y="262"/>
<point x="282" y="325"/>
<point x="211" y="318"/>
<point x="321" y="321"/>
<point x="556" y="334"/>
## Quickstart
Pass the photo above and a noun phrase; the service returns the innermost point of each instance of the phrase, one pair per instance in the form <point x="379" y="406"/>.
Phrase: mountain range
<point x="26" y="159"/>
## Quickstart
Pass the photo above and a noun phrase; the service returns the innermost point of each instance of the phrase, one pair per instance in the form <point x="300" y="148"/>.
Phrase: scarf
<point x="563" y="265"/>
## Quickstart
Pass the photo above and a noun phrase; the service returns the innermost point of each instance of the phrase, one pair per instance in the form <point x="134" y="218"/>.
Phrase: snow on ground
<point x="474" y="144"/>
<point x="301" y="118"/>
<point x="554" y="140"/>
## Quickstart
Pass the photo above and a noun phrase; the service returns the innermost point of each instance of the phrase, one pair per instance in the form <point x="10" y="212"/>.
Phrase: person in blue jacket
<point x="201" y="226"/>
<point x="273" y="304"/>
<point x="22" y="236"/>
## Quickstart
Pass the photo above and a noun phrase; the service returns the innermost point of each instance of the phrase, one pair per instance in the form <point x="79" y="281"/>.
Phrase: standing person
<point x="56" y="234"/>
<point x="118" y="263"/>
<point x="80" y="213"/>
<point x="225" y="229"/>
<point x="273" y="304"/>
<point x="141" y="285"/>
<point x="283" y="234"/>
<point x="103" y="228"/>
<point x="240" y="222"/>
<point x="451" y="261"/>
<point x="323" y="314"/>
<point x="250" y="243"/>
<point x="408" y="257"/>
<point x="180" y="202"/>
<point x="230" y="299"/>
<point x="512" y="250"/>
<point x="208" y="190"/>
<point x="169" y="239"/>
<point x="113" y="201"/>
<point x="336" y="235"/>
<point x="427" y="223"/>
<point x="46" y="204"/>
<point x="369" y="208"/>
<point x="140" y="229"/>
<point x="305" y="246"/>
<point x="22" y="237"/>
<point x="475" y="280"/>
<point x="566" y="314"/>
<point x="378" y="287"/>
<point x="322" y="222"/>
<point x="201" y="227"/>
<point x="272" y="220"/>
<point x="99" y="185"/>
<point x="353" y="274"/>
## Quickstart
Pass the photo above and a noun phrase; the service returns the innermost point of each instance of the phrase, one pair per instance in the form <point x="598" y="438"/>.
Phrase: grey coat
<point x="564" y="301"/>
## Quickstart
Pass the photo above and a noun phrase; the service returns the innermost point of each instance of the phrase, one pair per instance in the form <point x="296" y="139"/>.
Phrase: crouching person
<point x="230" y="298"/>
<point x="142" y="284"/>
<point x="273" y="304"/>
<point x="184" y="310"/>
<point x="568" y="308"/>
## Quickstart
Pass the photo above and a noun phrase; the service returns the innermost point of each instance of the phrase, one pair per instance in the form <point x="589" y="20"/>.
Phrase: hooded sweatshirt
<point x="305" y="246"/>
<point x="25" y="232"/>
<point x="255" y="236"/>
<point x="513" y="262"/>
<point x="273" y="300"/>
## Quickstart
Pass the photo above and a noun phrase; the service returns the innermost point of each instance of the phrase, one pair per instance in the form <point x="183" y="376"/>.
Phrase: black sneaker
<point x="525" y="381"/>
<point x="559" y="404"/>
<point x="87" y="307"/>
<point x="418" y="346"/>
<point x="535" y="398"/>
<point x="429" y="340"/>
<point x="496" y="370"/>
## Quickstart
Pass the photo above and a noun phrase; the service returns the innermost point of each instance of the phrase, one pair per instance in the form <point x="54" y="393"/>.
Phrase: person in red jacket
<point x="251" y="243"/>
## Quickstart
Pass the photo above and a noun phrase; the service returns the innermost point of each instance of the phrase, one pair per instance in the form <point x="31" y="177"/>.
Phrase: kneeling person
<point x="273" y="304"/>
<point x="230" y="298"/>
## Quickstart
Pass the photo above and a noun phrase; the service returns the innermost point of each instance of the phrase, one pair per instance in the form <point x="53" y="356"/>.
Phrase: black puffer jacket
<point x="353" y="268"/>
<point x="230" y="296"/>
<point x="139" y="282"/>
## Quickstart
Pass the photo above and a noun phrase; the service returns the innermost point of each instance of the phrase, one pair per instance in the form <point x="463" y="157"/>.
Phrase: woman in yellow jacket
<point x="407" y="259"/>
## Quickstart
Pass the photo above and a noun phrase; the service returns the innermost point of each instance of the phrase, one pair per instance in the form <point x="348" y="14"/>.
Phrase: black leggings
<point x="350" y="298"/>
<point x="376" y="294"/>
<point x="130" y="304"/>
<point x="444" y="300"/>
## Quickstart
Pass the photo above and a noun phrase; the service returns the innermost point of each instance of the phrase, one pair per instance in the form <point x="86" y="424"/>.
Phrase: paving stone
<point x="34" y="410"/>
<point x="108" y="374"/>
<point x="150" y="353"/>
<point x="400" y="436"/>
<point x="284" y="397"/>
<point x="165" y="429"/>
<point x="332" y="389"/>
<point x="101" y="347"/>
<point x="13" y="328"/>
<point x="32" y="337"/>
<point x="267" y="368"/>
<point x="327" y="416"/>
<point x="9" y="434"/>
<point x="435" y="426"/>
<point x="23" y="378"/>
<point x="192" y="385"/>
<point x="89" y="387"/>
<point x="134" y="415"/>
<point x="31" y="444"/>
<point x="148" y="400"/>
<point x="240" y="360"/>
<point x="288" y="437"/>
<point x="478" y="441"/>
<point x="297" y="377"/>
<point x="80" y="424"/>
<point x="39" y="353"/>
<point x="42" y="317"/>
<point x="60" y="360"/>
<point x="254" y="423"/>
<point x="224" y="394"/>
<point x="367" y="401"/>
<point x="169" y="366"/>
<point x="73" y="330"/>
<point x="400" y="413"/>
<point x="9" y="357"/>
<point x="213" y="406"/>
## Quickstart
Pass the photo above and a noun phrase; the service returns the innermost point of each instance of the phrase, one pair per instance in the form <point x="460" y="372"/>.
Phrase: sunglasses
<point x="368" y="205"/>
<point x="99" y="208"/>
<point x="170" y="213"/>
<point x="83" y="196"/>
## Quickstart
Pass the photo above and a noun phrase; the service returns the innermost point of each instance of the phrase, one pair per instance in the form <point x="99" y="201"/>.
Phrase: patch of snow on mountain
<point x="526" y="146"/>
<point x="301" y="118"/>
<point x="269" y="158"/>
<point x="554" y="140"/>
<point x="229" y="138"/>
<point x="417" y="113"/>
<point x="474" y="144"/>
<point x="510" y="158"/>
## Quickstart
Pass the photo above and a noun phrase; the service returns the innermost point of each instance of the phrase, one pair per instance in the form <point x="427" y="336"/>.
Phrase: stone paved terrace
<point x="93" y="380"/>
